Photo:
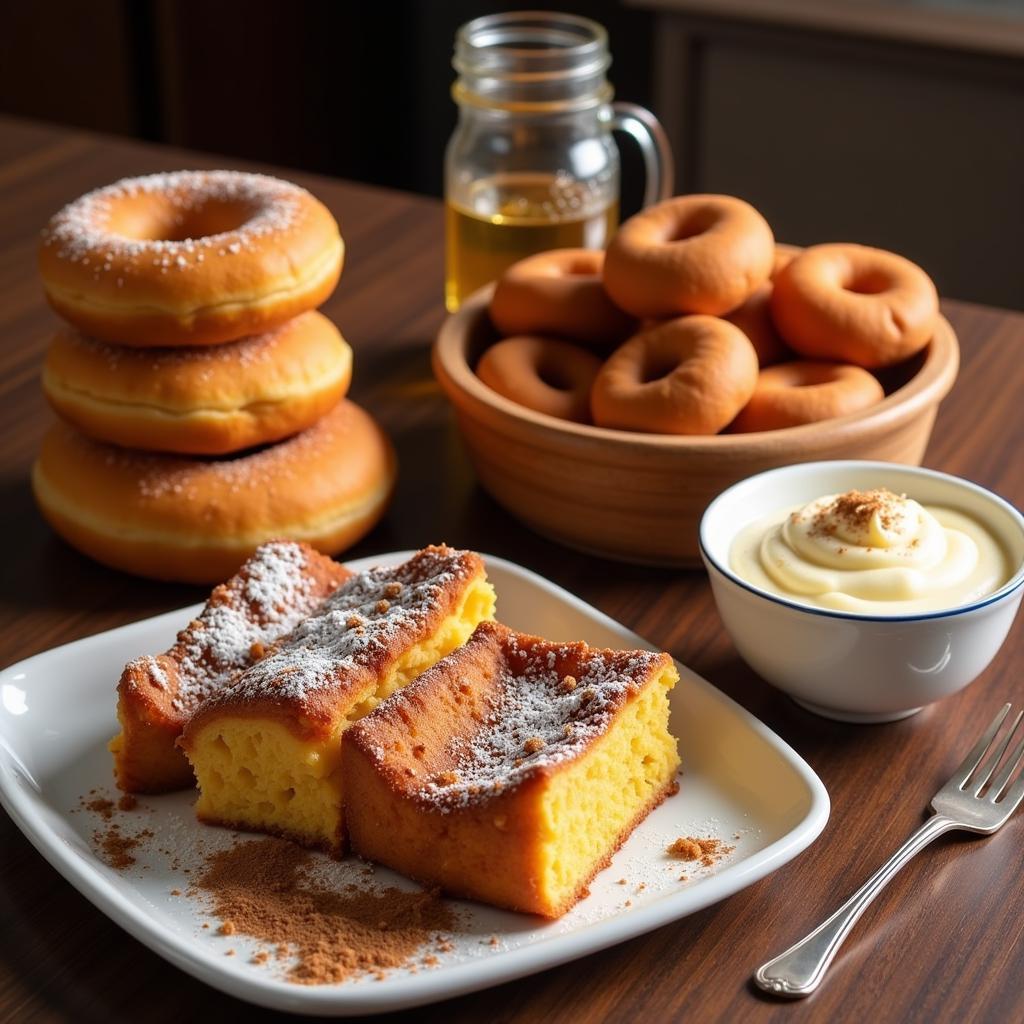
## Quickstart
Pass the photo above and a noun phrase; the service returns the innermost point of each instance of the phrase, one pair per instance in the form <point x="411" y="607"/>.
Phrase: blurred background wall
<point x="898" y="123"/>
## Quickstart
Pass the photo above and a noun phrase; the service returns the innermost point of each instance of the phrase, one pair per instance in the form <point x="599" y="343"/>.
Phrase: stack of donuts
<point x="694" y="321"/>
<point x="201" y="395"/>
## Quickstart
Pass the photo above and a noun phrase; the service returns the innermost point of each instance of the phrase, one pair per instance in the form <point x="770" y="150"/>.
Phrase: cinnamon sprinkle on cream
<point x="856" y="509"/>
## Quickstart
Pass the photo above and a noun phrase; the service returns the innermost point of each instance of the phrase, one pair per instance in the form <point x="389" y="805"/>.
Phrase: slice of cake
<point x="267" y="749"/>
<point x="270" y="595"/>
<point x="513" y="770"/>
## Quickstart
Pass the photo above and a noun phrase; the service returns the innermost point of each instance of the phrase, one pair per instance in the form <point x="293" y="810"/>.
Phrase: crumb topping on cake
<point x="369" y="616"/>
<point x="532" y="719"/>
<point x="271" y="594"/>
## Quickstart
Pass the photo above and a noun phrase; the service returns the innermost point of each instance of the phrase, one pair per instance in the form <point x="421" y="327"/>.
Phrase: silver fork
<point x="958" y="805"/>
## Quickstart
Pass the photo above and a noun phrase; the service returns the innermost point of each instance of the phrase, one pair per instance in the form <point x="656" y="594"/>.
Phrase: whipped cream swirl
<point x="872" y="552"/>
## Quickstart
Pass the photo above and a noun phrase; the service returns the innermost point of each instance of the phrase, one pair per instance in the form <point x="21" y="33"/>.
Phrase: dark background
<point x="834" y="135"/>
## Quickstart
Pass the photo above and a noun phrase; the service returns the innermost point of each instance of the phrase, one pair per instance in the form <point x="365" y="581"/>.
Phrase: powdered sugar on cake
<point x="371" y="615"/>
<point x="154" y="671"/>
<point x="81" y="230"/>
<point x="271" y="594"/>
<point x="549" y="704"/>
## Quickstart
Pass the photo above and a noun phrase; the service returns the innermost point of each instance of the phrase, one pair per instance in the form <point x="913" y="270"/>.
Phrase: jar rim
<point x="531" y="46"/>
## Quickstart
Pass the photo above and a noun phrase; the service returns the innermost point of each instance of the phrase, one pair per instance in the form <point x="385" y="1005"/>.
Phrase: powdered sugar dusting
<point x="203" y="360"/>
<point x="372" y="614"/>
<point x="154" y="670"/>
<point x="82" y="231"/>
<point x="551" y="701"/>
<point x="282" y="465"/>
<point x="271" y="594"/>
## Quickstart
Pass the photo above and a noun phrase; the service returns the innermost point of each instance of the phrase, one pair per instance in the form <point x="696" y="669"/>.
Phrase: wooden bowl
<point x="639" y="497"/>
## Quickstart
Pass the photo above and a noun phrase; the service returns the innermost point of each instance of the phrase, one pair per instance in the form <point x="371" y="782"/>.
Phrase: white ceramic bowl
<point x="859" y="668"/>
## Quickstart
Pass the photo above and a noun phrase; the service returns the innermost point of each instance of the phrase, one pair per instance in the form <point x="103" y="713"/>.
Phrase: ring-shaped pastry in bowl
<point x="691" y="375"/>
<point x="691" y="254"/>
<point x="784" y="255"/>
<point x="543" y="374"/>
<point x="196" y="520"/>
<point x="854" y="304"/>
<point x="559" y="292"/>
<point x="200" y="401"/>
<point x="189" y="258"/>
<point x="754" y="317"/>
<point x="798" y="392"/>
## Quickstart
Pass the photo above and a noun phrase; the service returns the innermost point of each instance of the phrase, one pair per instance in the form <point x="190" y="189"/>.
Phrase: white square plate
<point x="741" y="784"/>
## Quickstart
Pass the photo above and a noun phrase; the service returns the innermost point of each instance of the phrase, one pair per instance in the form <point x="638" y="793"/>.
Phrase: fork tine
<point x="978" y="751"/>
<point x="1012" y="797"/>
<point x="1013" y="763"/>
<point x="987" y="770"/>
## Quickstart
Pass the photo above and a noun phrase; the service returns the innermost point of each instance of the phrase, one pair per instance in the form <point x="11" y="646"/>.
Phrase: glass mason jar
<point x="532" y="164"/>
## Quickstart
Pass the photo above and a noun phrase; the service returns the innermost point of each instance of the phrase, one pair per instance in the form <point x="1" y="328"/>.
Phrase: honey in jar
<point x="509" y="217"/>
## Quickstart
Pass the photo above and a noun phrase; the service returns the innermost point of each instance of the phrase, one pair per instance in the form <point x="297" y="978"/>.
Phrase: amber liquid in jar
<point x="511" y="216"/>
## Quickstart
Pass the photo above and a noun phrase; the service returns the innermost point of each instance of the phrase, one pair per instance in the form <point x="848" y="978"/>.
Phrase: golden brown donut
<point x="854" y="304"/>
<point x="189" y="258"/>
<point x="798" y="392"/>
<point x="691" y="254"/>
<point x="200" y="401"/>
<point x="754" y="317"/>
<point x="559" y="292"/>
<point x="197" y="520"/>
<point x="685" y="376"/>
<point x="543" y="374"/>
<point x="784" y="255"/>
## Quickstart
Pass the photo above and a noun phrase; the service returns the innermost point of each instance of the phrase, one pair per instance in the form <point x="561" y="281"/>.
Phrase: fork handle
<point x="801" y="969"/>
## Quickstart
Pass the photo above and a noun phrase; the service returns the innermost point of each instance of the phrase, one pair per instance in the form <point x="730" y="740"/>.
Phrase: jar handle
<point x="649" y="135"/>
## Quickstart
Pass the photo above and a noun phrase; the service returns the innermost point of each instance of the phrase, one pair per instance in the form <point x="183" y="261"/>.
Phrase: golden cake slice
<point x="267" y="749"/>
<point x="273" y="592"/>
<point x="513" y="770"/>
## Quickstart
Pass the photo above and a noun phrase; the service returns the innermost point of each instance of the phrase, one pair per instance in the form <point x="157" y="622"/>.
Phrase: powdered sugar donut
<point x="197" y="520"/>
<point x="189" y="258"/>
<point x="200" y="401"/>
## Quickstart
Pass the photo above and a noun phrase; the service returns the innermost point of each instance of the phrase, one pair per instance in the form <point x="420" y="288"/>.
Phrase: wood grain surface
<point x="944" y="942"/>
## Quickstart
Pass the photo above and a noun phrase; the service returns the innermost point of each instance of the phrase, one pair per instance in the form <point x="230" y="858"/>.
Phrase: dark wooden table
<point x="944" y="942"/>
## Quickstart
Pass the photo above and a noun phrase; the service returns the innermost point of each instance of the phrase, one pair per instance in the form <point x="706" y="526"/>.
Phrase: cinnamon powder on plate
<point x="707" y="851"/>
<point x="100" y="805"/>
<point x="117" y="847"/>
<point x="265" y="889"/>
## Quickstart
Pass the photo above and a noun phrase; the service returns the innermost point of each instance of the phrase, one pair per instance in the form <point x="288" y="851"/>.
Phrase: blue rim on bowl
<point x="1014" y="582"/>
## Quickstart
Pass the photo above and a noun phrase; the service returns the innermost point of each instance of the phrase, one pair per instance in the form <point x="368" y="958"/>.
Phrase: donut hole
<point x="554" y="375"/>
<point x="868" y="282"/>
<point x="657" y="366"/>
<point x="813" y="377"/>
<point x="149" y="218"/>
<point x="695" y="224"/>
<point x="580" y="267"/>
